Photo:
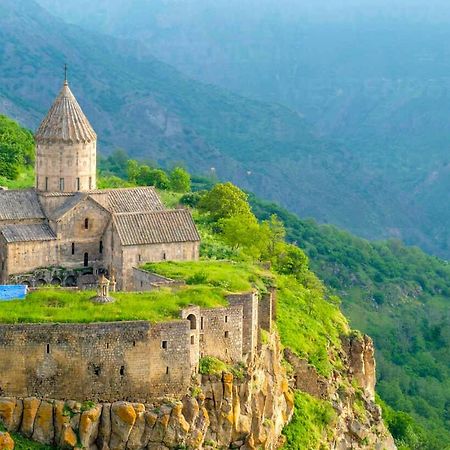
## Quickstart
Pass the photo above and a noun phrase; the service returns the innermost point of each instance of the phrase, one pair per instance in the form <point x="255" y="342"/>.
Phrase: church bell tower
<point x="66" y="147"/>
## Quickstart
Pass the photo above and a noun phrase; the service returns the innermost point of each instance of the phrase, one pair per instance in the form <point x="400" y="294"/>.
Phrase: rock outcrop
<point x="6" y="441"/>
<point x="247" y="410"/>
<point x="351" y="392"/>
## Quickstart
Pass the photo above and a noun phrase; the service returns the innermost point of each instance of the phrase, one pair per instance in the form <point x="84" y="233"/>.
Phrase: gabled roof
<point x="20" y="204"/>
<point x="131" y="200"/>
<point x="72" y="202"/>
<point x="25" y="233"/>
<point x="65" y="122"/>
<point x="156" y="227"/>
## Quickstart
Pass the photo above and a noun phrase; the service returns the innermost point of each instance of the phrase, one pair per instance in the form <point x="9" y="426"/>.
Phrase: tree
<point x="132" y="170"/>
<point x="160" y="179"/>
<point x="16" y="148"/>
<point x="144" y="176"/>
<point x="276" y="231"/>
<point x="225" y="200"/>
<point x="244" y="232"/>
<point x="180" y="180"/>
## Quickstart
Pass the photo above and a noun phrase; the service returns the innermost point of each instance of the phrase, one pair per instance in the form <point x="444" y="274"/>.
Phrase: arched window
<point x="86" y="260"/>
<point x="86" y="223"/>
<point x="193" y="321"/>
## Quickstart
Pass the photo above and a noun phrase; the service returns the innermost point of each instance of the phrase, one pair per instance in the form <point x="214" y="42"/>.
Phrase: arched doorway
<point x="192" y="319"/>
<point x="86" y="260"/>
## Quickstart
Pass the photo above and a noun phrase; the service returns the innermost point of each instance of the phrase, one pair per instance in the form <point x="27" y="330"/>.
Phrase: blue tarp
<point x="12" y="292"/>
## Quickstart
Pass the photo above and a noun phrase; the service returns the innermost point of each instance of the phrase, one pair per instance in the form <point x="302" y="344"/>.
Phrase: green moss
<point x="22" y="443"/>
<point x="212" y="366"/>
<point x="57" y="305"/>
<point x="309" y="426"/>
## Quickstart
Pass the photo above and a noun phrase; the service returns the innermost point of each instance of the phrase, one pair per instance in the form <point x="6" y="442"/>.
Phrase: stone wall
<point x="147" y="281"/>
<point x="25" y="256"/>
<point x="134" y="361"/>
<point x="66" y="161"/>
<point x="220" y="333"/>
<point x="221" y="412"/>
<point x="250" y="332"/>
<point x="132" y="256"/>
<point x="72" y="229"/>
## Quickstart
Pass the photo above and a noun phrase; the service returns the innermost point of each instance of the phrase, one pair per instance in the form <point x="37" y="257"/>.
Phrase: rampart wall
<point x="133" y="361"/>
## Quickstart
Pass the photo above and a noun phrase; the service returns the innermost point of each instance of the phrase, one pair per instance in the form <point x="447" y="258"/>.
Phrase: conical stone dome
<point x="65" y="122"/>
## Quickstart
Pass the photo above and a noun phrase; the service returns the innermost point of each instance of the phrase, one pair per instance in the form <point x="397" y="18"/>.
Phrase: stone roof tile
<point x="20" y="205"/>
<point x="156" y="227"/>
<point x="26" y="233"/>
<point x="131" y="200"/>
<point x="65" y="122"/>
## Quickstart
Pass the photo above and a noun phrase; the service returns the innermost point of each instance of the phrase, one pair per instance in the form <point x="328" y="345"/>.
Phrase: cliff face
<point x="246" y="411"/>
<point x="358" y="423"/>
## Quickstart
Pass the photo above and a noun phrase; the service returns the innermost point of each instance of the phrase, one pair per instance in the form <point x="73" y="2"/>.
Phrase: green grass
<point x="231" y="276"/>
<point x="56" y="305"/>
<point x="22" y="443"/>
<point x="310" y="424"/>
<point x="310" y="325"/>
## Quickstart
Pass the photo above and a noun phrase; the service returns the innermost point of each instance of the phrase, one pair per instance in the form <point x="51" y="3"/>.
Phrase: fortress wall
<point x="101" y="362"/>
<point x="265" y="311"/>
<point x="249" y="302"/>
<point x="220" y="333"/>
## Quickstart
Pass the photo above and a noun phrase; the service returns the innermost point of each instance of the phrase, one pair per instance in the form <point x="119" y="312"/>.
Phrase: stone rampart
<point x="134" y="361"/>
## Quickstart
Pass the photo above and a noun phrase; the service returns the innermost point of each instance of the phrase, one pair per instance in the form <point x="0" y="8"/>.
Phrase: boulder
<point x="104" y="431"/>
<point x="43" y="430"/>
<point x="7" y="407"/>
<point x="6" y="441"/>
<point x="123" y="417"/>
<point x="89" y="425"/>
<point x="30" y="408"/>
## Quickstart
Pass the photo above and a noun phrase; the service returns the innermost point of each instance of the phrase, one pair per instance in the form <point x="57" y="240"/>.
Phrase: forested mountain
<point x="370" y="75"/>
<point x="138" y="103"/>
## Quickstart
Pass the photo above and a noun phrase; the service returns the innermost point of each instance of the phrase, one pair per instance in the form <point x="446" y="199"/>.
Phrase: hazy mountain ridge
<point x="372" y="75"/>
<point x="135" y="102"/>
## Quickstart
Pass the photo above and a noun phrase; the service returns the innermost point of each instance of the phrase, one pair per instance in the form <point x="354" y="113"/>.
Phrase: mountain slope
<point x="136" y="102"/>
<point x="398" y="295"/>
<point x="371" y="74"/>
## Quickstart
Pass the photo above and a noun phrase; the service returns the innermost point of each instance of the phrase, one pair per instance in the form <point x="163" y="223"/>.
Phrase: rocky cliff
<point x="247" y="410"/>
<point x="357" y="422"/>
<point x="244" y="409"/>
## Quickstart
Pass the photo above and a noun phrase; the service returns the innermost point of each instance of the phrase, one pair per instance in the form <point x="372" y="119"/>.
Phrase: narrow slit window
<point x="101" y="247"/>
<point x="167" y="370"/>
<point x="86" y="260"/>
<point x="73" y="248"/>
<point x="86" y="223"/>
<point x="192" y="340"/>
<point x="202" y="323"/>
<point x="78" y="184"/>
<point x="164" y="345"/>
<point x="61" y="184"/>
<point x="227" y="334"/>
<point x="46" y="183"/>
<point x="122" y="371"/>
<point x="226" y="319"/>
<point x="90" y="182"/>
<point x="48" y="348"/>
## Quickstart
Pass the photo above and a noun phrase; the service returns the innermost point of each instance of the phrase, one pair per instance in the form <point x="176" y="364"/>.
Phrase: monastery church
<point x="65" y="229"/>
